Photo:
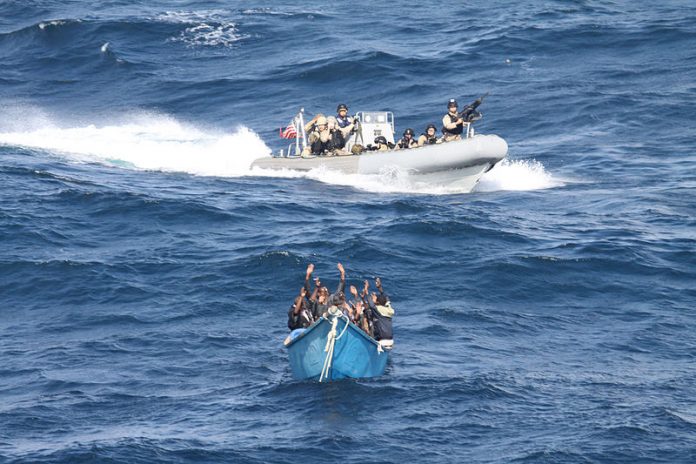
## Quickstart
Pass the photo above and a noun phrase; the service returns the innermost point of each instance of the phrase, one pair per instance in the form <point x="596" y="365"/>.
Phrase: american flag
<point x="290" y="132"/>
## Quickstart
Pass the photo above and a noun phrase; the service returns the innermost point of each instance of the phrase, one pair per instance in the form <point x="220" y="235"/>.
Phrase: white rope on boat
<point x="331" y="338"/>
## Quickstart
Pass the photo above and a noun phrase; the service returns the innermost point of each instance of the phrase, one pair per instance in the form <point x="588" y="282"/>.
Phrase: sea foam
<point x="145" y="141"/>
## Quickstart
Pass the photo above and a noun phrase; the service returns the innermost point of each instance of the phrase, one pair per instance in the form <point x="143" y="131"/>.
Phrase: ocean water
<point x="146" y="270"/>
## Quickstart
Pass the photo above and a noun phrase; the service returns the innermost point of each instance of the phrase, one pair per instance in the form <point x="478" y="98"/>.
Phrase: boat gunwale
<point x="325" y="319"/>
<point x="377" y="152"/>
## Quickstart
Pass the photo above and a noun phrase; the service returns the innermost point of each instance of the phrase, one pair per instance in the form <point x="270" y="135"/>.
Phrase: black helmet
<point x="381" y="139"/>
<point x="340" y="107"/>
<point x="452" y="102"/>
<point x="430" y="126"/>
<point x="408" y="131"/>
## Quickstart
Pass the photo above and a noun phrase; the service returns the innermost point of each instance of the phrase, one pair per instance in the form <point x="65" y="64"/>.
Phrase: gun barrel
<point x="479" y="100"/>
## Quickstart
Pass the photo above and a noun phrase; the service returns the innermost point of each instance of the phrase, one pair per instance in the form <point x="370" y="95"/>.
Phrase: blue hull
<point x="356" y="355"/>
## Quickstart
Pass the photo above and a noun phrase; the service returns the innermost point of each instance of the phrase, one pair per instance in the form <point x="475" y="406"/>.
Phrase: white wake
<point x="144" y="141"/>
<point x="517" y="175"/>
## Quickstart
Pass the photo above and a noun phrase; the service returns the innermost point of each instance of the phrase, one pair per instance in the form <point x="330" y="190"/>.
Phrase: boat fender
<point x="387" y="344"/>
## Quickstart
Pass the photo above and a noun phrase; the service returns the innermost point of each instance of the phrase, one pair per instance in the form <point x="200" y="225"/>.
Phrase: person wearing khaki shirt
<point x="319" y="135"/>
<point x="429" y="137"/>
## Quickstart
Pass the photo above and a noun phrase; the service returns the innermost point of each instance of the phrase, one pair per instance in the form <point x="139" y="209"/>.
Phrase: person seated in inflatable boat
<point x="380" y="144"/>
<point x="429" y="137"/>
<point x="407" y="141"/>
<point x="345" y="123"/>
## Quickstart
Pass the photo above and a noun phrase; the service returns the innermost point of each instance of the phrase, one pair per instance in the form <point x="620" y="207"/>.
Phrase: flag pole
<point x="297" y="142"/>
<point x="302" y="128"/>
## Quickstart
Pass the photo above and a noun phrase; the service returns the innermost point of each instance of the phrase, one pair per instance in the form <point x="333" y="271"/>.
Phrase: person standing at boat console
<point x="346" y="124"/>
<point x="452" y="123"/>
<point x="342" y="116"/>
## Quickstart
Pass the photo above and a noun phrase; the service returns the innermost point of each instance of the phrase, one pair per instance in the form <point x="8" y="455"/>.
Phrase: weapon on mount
<point x="470" y="112"/>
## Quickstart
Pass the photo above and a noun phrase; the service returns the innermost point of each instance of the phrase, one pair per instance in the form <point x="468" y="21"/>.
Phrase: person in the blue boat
<point x="452" y="123"/>
<point x="359" y="314"/>
<point x="342" y="282"/>
<point x="429" y="137"/>
<point x="338" y="300"/>
<point x="407" y="141"/>
<point x="380" y="311"/>
<point x="300" y="316"/>
<point x="320" y="300"/>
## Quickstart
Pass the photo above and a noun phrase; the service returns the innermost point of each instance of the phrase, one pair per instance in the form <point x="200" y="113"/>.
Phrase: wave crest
<point x="204" y="28"/>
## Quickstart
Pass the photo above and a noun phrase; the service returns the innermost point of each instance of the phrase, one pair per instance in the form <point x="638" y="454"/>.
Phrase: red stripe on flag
<point x="290" y="132"/>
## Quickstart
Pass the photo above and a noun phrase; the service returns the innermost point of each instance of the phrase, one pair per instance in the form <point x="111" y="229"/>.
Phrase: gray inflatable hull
<point x="460" y="163"/>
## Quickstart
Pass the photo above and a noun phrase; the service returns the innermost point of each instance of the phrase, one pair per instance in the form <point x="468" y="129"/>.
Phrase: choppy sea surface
<point x="146" y="270"/>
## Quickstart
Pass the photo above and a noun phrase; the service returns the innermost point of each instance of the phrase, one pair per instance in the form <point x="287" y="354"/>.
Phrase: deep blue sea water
<point x="145" y="271"/>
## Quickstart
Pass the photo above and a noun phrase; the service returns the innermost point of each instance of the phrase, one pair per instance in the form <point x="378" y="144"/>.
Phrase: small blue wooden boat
<point x="351" y="354"/>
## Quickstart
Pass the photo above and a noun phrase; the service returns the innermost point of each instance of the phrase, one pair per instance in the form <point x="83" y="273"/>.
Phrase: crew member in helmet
<point x="345" y="122"/>
<point x="381" y="144"/>
<point x="452" y="124"/>
<point x="337" y="141"/>
<point x="429" y="137"/>
<point x="407" y="141"/>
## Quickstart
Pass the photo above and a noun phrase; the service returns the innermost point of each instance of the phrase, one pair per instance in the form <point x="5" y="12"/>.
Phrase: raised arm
<point x="342" y="283"/>
<point x="354" y="293"/>
<point x="298" y="301"/>
<point x="371" y="301"/>
<point x="311" y="122"/>
<point x="317" y="287"/>
<point x="308" y="276"/>
<point x="378" y="284"/>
